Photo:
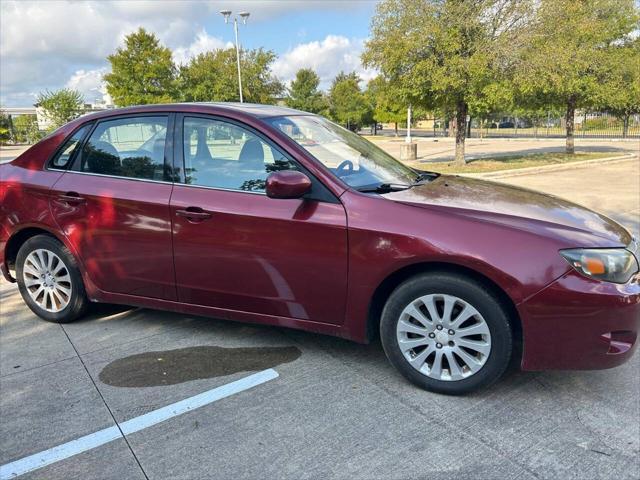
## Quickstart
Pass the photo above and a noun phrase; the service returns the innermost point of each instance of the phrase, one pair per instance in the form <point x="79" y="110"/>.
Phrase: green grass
<point x="511" y="162"/>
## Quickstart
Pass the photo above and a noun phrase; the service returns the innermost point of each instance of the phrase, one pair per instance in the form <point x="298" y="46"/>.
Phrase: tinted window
<point x="224" y="155"/>
<point x="129" y="147"/>
<point x="65" y="154"/>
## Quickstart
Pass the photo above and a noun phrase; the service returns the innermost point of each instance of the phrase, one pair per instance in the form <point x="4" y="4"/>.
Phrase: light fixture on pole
<point x="243" y="15"/>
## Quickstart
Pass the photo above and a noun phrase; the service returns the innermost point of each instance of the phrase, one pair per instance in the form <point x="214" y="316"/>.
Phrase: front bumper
<point x="4" y="270"/>
<point x="577" y="323"/>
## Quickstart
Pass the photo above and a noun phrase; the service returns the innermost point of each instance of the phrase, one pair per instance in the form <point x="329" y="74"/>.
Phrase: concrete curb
<point x="552" y="168"/>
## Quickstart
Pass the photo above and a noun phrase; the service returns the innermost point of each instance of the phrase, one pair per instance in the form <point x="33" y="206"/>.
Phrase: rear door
<point x="113" y="205"/>
<point x="237" y="249"/>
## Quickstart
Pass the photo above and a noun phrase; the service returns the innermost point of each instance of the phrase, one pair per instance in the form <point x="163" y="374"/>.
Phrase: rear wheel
<point x="49" y="280"/>
<point x="446" y="333"/>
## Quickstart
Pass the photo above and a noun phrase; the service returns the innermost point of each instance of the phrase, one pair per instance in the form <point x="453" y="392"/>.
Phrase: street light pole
<point x="244" y="16"/>
<point x="235" y="27"/>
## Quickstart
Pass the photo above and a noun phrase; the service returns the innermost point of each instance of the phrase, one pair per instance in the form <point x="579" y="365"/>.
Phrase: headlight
<point x="615" y="265"/>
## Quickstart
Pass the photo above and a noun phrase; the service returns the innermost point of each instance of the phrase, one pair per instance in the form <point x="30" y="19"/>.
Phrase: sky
<point x="53" y="44"/>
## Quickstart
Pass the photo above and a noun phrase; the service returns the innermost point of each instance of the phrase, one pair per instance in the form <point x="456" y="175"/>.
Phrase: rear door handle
<point x="72" y="198"/>
<point x="193" y="213"/>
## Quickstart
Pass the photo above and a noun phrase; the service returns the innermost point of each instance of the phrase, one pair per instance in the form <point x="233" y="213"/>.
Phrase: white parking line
<point x="91" y="441"/>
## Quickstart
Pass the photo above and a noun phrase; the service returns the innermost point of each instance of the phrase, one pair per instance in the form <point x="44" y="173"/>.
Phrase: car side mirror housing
<point x="287" y="184"/>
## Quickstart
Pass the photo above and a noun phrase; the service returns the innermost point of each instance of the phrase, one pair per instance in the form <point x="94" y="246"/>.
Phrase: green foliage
<point x="570" y="53"/>
<point x="569" y="59"/>
<point x="25" y="129"/>
<point x="600" y="123"/>
<point x="209" y="76"/>
<point x="212" y="76"/>
<point x="259" y="85"/>
<point x="439" y="53"/>
<point x="384" y="102"/>
<point x="446" y="54"/>
<point x="60" y="106"/>
<point x="142" y="72"/>
<point x="304" y="94"/>
<point x="5" y="127"/>
<point x="621" y="94"/>
<point x="347" y="103"/>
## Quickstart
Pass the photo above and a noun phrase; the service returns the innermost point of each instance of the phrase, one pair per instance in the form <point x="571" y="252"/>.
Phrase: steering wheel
<point x="345" y="168"/>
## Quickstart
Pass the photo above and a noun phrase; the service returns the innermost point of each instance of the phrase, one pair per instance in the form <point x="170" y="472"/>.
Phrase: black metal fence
<point x="586" y="125"/>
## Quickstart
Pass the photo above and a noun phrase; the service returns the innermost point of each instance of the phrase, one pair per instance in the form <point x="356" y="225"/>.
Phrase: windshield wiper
<point x="384" y="188"/>
<point x="424" y="176"/>
<point x="421" y="178"/>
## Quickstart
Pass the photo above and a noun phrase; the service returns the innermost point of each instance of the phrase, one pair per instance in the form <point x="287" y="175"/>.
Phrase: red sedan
<point x="270" y="215"/>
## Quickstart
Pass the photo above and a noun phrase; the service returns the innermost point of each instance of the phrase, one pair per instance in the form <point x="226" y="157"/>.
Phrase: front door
<point x="237" y="249"/>
<point x="113" y="205"/>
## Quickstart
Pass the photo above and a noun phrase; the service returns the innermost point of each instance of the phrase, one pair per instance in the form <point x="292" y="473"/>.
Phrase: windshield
<point x="356" y="161"/>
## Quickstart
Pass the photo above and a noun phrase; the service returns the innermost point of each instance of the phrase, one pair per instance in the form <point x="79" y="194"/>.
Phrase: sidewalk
<point x="443" y="149"/>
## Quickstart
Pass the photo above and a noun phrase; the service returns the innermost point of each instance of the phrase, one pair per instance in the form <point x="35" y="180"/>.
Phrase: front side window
<point x="65" y="154"/>
<point x="127" y="147"/>
<point x="356" y="161"/>
<point x="220" y="154"/>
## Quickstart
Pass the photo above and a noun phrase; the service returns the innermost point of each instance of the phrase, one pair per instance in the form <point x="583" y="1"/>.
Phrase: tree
<point x="622" y="89"/>
<point x="304" y="94"/>
<point x="25" y="129"/>
<point x="142" y="72"/>
<point x="213" y="76"/>
<point x="259" y="84"/>
<point x="60" y="106"/>
<point x="568" y="57"/>
<point x="441" y="54"/>
<point x="347" y="103"/>
<point x="5" y="127"/>
<point x="494" y="98"/>
<point x="386" y="106"/>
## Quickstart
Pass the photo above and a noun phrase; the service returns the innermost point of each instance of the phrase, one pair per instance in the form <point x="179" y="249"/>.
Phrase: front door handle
<point x="72" y="198"/>
<point x="193" y="214"/>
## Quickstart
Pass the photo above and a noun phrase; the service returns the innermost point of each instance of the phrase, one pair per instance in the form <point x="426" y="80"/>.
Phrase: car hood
<point x="516" y="207"/>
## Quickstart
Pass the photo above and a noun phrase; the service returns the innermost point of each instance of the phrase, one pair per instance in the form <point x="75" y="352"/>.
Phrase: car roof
<point x="248" y="109"/>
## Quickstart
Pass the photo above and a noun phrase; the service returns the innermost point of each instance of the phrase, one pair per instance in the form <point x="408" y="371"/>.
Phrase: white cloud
<point x="202" y="43"/>
<point x="56" y="43"/>
<point x="89" y="83"/>
<point x="44" y="44"/>
<point x="327" y="57"/>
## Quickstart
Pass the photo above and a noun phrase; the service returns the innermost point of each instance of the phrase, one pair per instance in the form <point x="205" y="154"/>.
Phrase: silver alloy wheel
<point x="47" y="280"/>
<point x="443" y="337"/>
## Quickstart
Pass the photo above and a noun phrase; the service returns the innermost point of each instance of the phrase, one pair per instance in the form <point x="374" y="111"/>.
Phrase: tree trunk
<point x="569" y="119"/>
<point x="396" y="126"/>
<point x="461" y="131"/>
<point x="625" y="125"/>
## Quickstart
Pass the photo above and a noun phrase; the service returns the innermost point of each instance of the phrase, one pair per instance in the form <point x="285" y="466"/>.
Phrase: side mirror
<point x="287" y="184"/>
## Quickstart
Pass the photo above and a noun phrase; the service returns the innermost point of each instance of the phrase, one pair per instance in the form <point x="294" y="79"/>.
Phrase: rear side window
<point x="65" y="154"/>
<point x="127" y="147"/>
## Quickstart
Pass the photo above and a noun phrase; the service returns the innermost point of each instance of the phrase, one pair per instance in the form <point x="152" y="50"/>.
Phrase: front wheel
<point x="49" y="280"/>
<point x="446" y="333"/>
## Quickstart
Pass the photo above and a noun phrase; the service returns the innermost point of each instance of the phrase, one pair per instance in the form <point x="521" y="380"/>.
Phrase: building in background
<point x="44" y="123"/>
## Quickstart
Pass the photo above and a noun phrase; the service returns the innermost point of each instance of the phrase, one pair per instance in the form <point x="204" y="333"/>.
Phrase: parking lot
<point x="321" y="408"/>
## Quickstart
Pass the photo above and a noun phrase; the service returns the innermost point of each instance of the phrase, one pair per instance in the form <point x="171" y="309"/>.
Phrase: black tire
<point x="468" y="290"/>
<point x="77" y="303"/>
